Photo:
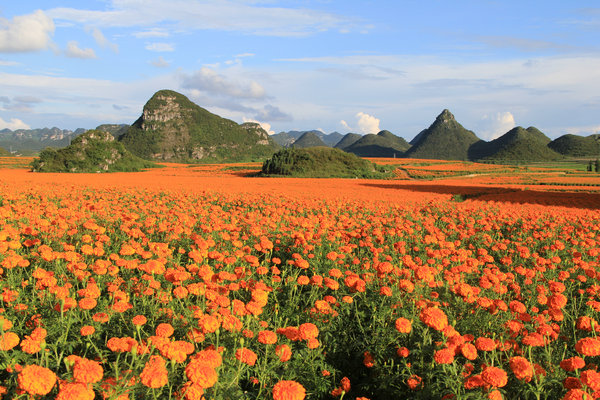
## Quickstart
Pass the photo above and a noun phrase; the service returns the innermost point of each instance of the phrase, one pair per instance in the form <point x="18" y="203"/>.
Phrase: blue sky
<point x="343" y="66"/>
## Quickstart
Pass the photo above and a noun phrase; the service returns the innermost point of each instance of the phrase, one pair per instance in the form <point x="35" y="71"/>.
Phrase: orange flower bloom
<point x="87" y="371"/>
<point x="434" y="318"/>
<point x="164" y="330"/>
<point x="139" y="320"/>
<point x="75" y="391"/>
<point x="288" y="390"/>
<point x="485" y="344"/>
<point x="522" y="368"/>
<point x="572" y="364"/>
<point x="368" y="359"/>
<point x="444" y="356"/>
<point x="201" y="374"/>
<point x="87" y="330"/>
<point x="403" y="325"/>
<point x="284" y="352"/>
<point x="36" y="380"/>
<point x="9" y="340"/>
<point x="308" y="331"/>
<point x="469" y="351"/>
<point x="246" y="356"/>
<point x="588" y="346"/>
<point x="155" y="374"/>
<point x="267" y="337"/>
<point x="495" y="377"/>
<point x="209" y="357"/>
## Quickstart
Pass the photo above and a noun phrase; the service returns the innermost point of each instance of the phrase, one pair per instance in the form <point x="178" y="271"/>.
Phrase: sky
<point x="346" y="66"/>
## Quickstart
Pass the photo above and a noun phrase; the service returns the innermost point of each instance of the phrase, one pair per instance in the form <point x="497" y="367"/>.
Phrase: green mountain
<point x="308" y="139"/>
<point x="31" y="141"/>
<point x="93" y="151"/>
<point x="348" y="140"/>
<point x="4" y="152"/>
<point x="518" y="144"/>
<point x="284" y="139"/>
<point x="320" y="162"/>
<point x="384" y="144"/>
<point x="330" y="139"/>
<point x="172" y="128"/>
<point x="577" y="146"/>
<point x="116" y="130"/>
<point x="445" y="139"/>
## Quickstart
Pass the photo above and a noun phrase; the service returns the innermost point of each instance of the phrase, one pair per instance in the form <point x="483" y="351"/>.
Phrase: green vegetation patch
<point x="93" y="151"/>
<point x="321" y="162"/>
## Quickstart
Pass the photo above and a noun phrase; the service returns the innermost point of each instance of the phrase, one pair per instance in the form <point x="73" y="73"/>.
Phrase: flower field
<point x="191" y="282"/>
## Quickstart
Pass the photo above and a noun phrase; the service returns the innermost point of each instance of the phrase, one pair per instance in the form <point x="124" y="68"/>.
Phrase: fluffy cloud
<point x="160" y="47"/>
<point x="494" y="126"/>
<point x="223" y="15"/>
<point x="74" y="51"/>
<point x="25" y="33"/>
<point x="103" y="41"/>
<point x="365" y="123"/>
<point x="265" y="125"/>
<point x="209" y="81"/>
<point x="160" y="62"/>
<point x="13" y="124"/>
<point x="272" y="113"/>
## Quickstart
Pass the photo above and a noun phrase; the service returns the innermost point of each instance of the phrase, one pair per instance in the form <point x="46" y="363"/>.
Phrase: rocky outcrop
<point x="172" y="128"/>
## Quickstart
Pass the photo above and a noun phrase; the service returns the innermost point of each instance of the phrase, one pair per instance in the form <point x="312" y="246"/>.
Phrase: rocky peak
<point x="445" y="117"/>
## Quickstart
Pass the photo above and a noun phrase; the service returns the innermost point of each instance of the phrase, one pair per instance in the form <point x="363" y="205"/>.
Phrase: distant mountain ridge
<point x="34" y="140"/>
<point x="309" y="139"/>
<point x="287" y="139"/>
<point x="383" y="144"/>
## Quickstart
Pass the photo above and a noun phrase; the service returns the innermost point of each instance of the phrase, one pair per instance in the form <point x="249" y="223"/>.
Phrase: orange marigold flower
<point x="403" y="352"/>
<point x="201" y="374"/>
<point x="192" y="391"/>
<point x="485" y="344"/>
<point x="87" y="371"/>
<point x="267" y="337"/>
<point x="87" y="303"/>
<point x="414" y="382"/>
<point x="30" y="346"/>
<point x="36" y="380"/>
<point x="9" y="340"/>
<point x="75" y="390"/>
<point x="368" y="359"/>
<point x="521" y="367"/>
<point x="164" y="330"/>
<point x="591" y="379"/>
<point x="577" y="394"/>
<point x="588" y="346"/>
<point x="154" y="374"/>
<point x="434" y="318"/>
<point x="495" y="377"/>
<point x="209" y="357"/>
<point x="572" y="364"/>
<point x="139" y="320"/>
<point x="288" y="390"/>
<point x="469" y="351"/>
<point x="308" y="331"/>
<point x="444" y="356"/>
<point x="246" y="356"/>
<point x="403" y="325"/>
<point x="87" y="330"/>
<point x="284" y="352"/>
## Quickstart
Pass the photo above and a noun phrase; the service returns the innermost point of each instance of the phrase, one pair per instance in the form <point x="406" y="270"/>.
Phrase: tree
<point x="597" y="165"/>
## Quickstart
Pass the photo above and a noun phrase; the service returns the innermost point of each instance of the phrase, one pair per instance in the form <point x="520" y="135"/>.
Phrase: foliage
<point x="576" y="146"/>
<point x="4" y="152"/>
<point x="320" y="162"/>
<point x="348" y="140"/>
<point x="445" y="139"/>
<point x="308" y="139"/>
<point x="172" y="128"/>
<point x="518" y="144"/>
<point x="93" y="151"/>
<point x="383" y="144"/>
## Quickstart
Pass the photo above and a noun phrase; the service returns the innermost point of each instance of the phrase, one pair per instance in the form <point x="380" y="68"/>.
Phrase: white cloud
<point x="151" y="33"/>
<point x="14" y="124"/>
<point x="160" y="47"/>
<point x="31" y="32"/>
<point x="265" y="125"/>
<point x="367" y="123"/>
<point x="6" y="63"/>
<point x="346" y="126"/>
<point x="208" y="80"/>
<point x="222" y="15"/>
<point x="103" y="41"/>
<point x="74" y="51"/>
<point x="160" y="62"/>
<point x="494" y="126"/>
